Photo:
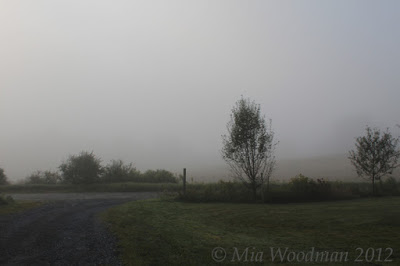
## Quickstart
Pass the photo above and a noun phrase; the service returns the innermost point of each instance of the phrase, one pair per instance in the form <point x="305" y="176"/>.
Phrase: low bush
<point x="157" y="176"/>
<point x="118" y="171"/>
<point x="84" y="168"/>
<point x="305" y="188"/>
<point x="5" y="200"/>
<point x="302" y="185"/>
<point x="46" y="177"/>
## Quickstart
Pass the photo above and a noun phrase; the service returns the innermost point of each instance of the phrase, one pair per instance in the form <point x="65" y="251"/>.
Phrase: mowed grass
<point x="166" y="232"/>
<point x="18" y="206"/>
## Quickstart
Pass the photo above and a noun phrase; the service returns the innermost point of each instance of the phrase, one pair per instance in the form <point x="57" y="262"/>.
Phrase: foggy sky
<point x="154" y="82"/>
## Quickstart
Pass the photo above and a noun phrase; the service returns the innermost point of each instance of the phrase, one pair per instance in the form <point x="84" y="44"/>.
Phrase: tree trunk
<point x="373" y="185"/>
<point x="262" y="194"/>
<point x="255" y="192"/>
<point x="266" y="190"/>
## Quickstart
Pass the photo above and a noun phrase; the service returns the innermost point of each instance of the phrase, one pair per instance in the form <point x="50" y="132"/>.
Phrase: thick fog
<point x="154" y="82"/>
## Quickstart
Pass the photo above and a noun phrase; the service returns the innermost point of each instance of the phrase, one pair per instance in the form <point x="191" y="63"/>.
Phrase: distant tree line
<point x="86" y="168"/>
<point x="248" y="149"/>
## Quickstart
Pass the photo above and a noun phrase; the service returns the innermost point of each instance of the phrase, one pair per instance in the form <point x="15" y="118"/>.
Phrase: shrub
<point x="158" y="176"/>
<point x="5" y="200"/>
<point x="302" y="185"/>
<point x="84" y="168"/>
<point x="117" y="171"/>
<point x="323" y="187"/>
<point x="305" y="188"/>
<point x="46" y="177"/>
<point x="34" y="178"/>
<point x="3" y="177"/>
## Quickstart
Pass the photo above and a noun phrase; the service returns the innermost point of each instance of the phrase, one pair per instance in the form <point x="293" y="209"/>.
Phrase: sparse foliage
<point x="375" y="156"/>
<point x="249" y="146"/>
<point x="3" y="177"/>
<point x="84" y="168"/>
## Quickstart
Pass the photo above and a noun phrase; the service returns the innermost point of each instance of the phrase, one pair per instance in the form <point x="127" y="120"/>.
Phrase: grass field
<point x="166" y="232"/>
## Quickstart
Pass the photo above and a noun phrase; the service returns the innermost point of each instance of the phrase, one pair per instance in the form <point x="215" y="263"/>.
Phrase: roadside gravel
<point x="63" y="231"/>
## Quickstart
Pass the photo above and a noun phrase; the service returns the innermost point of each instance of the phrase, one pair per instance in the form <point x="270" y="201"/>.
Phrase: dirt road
<point x="63" y="231"/>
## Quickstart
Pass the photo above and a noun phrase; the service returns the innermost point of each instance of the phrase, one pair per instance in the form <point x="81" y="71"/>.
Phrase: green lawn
<point x="163" y="232"/>
<point x="18" y="206"/>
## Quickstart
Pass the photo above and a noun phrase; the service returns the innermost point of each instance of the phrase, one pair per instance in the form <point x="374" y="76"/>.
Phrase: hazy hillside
<point x="332" y="167"/>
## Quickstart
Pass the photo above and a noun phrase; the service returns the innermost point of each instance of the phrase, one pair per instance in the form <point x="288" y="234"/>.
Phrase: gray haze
<point x="153" y="82"/>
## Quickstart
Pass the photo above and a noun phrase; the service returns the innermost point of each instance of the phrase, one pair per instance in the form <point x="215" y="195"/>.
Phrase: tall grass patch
<point x="298" y="189"/>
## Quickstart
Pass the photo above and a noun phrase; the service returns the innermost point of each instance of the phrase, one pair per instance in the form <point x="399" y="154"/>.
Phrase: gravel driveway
<point x="63" y="231"/>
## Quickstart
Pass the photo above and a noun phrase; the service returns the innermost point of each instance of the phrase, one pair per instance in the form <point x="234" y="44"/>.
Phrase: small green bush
<point x="158" y="176"/>
<point x="84" y="168"/>
<point x="118" y="171"/>
<point x="5" y="200"/>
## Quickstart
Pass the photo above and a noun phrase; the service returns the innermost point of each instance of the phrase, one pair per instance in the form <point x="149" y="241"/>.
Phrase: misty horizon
<point x="153" y="83"/>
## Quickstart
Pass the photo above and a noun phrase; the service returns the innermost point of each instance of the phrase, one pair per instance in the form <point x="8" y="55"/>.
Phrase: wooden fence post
<point x="184" y="181"/>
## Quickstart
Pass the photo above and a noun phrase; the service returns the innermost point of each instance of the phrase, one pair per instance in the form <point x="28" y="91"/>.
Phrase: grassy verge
<point x="235" y="192"/>
<point x="114" y="187"/>
<point x="18" y="206"/>
<point x="299" y="189"/>
<point x="162" y="232"/>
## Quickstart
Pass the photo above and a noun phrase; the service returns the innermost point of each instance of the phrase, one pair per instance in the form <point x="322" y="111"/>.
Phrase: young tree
<point x="376" y="155"/>
<point x="249" y="146"/>
<point x="3" y="177"/>
<point x="84" y="168"/>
